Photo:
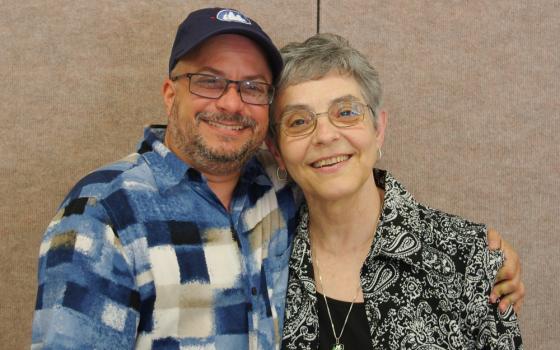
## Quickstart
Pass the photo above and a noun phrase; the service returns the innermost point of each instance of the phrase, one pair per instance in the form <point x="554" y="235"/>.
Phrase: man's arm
<point x="509" y="288"/>
<point x="484" y="324"/>
<point x="86" y="294"/>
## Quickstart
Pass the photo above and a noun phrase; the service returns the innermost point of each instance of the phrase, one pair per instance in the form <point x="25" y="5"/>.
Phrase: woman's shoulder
<point x="439" y="235"/>
<point x="433" y="223"/>
<point x="445" y="224"/>
<point x="462" y="242"/>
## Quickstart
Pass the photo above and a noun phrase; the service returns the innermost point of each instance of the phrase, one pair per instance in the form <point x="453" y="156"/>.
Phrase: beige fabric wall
<point x="471" y="88"/>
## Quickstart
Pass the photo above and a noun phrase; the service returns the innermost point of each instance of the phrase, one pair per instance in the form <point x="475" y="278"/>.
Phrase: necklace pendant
<point x="338" y="346"/>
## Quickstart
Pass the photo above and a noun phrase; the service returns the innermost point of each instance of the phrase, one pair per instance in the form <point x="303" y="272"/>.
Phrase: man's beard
<point x="204" y="157"/>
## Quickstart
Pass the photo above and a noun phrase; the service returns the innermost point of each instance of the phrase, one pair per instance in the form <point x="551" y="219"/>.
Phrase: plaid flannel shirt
<point x="143" y="255"/>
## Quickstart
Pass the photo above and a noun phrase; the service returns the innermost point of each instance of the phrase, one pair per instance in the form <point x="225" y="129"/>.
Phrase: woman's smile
<point x="330" y="161"/>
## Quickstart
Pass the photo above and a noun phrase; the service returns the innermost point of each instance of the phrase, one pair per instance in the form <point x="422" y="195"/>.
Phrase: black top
<point x="356" y="333"/>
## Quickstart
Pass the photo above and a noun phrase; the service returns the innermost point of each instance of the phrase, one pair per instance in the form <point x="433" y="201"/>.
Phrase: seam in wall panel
<point x="318" y="16"/>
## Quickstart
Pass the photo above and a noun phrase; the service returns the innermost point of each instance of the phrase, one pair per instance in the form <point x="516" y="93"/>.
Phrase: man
<point x="185" y="243"/>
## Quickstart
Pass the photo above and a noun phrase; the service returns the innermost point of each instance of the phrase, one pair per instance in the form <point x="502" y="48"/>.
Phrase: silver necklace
<point x="337" y="345"/>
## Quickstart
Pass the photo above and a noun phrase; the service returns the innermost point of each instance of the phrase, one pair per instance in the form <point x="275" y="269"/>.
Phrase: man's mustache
<point x="222" y="117"/>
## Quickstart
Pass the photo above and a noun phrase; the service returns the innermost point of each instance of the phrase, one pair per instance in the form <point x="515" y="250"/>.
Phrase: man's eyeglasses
<point x="211" y="86"/>
<point x="342" y="114"/>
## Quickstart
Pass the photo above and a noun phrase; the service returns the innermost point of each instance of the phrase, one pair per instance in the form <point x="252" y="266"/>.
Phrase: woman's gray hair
<point x="324" y="53"/>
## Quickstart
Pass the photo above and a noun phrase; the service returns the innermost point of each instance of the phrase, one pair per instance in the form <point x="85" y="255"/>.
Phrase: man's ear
<point x="168" y="92"/>
<point x="273" y="148"/>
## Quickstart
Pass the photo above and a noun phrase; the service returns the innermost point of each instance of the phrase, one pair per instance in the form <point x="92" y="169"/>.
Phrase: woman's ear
<point x="168" y="92"/>
<point x="273" y="148"/>
<point x="380" y="127"/>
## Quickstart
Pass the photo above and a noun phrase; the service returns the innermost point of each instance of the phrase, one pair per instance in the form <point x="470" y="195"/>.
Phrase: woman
<point x="371" y="268"/>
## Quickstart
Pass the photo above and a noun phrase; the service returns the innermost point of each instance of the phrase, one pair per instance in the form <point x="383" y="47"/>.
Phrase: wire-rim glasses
<point x="300" y="121"/>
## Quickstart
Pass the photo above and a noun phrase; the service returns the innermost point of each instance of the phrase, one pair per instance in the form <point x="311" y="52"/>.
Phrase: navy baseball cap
<point x="203" y="24"/>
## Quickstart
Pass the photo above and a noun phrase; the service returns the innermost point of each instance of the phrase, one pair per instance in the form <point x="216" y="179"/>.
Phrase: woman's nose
<point x="325" y="131"/>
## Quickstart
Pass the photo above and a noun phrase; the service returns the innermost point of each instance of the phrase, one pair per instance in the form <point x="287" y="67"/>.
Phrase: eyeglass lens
<point x="341" y="114"/>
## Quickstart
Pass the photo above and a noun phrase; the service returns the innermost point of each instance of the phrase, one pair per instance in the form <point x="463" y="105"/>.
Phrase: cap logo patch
<point x="232" y="16"/>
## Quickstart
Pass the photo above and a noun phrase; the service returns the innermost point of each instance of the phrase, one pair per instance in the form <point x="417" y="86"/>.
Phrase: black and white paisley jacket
<point x="426" y="282"/>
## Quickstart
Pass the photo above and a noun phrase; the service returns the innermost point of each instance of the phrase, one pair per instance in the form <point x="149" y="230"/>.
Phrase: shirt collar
<point x="403" y="234"/>
<point x="395" y="238"/>
<point x="169" y="170"/>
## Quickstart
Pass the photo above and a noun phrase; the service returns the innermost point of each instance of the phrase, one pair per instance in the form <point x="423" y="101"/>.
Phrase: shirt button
<point x="254" y="290"/>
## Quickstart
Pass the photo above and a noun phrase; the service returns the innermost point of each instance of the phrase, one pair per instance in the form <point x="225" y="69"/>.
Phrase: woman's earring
<point x="281" y="174"/>
<point x="380" y="154"/>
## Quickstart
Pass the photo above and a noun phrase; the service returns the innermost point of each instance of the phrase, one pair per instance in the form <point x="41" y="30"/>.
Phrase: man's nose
<point x="231" y="101"/>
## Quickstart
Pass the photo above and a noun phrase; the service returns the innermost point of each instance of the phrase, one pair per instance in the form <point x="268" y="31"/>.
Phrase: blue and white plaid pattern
<point x="143" y="255"/>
